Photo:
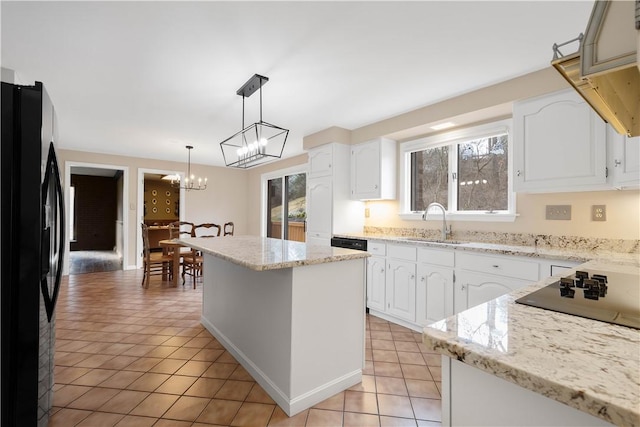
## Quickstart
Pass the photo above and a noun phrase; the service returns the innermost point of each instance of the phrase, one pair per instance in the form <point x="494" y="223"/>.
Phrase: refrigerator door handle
<point x="57" y="232"/>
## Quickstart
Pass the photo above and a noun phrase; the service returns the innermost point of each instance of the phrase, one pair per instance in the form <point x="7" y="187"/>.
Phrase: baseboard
<point x="291" y="406"/>
<point x="131" y="267"/>
<point x="395" y="320"/>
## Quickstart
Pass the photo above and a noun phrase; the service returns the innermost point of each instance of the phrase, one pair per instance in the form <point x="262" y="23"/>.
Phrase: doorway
<point x="159" y="204"/>
<point x="285" y="200"/>
<point x="96" y="217"/>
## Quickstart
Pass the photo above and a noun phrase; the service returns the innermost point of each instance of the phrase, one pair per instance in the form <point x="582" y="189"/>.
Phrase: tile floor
<point x="126" y="356"/>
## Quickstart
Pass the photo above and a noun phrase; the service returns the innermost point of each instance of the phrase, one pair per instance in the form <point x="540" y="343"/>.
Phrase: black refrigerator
<point x="32" y="219"/>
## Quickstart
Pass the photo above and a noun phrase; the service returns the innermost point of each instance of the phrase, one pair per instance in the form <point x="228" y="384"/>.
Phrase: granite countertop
<point x="586" y="364"/>
<point x="586" y="252"/>
<point x="263" y="253"/>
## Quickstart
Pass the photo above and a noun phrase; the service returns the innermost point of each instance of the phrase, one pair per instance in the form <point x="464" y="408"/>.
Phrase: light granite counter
<point x="263" y="253"/>
<point x="579" y="250"/>
<point x="586" y="364"/>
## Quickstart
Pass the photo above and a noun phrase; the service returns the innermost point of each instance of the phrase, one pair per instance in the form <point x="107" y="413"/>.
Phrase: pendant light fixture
<point x="258" y="143"/>
<point x="190" y="181"/>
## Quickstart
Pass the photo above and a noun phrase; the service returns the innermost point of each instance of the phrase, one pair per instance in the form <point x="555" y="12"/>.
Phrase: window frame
<point x="453" y="138"/>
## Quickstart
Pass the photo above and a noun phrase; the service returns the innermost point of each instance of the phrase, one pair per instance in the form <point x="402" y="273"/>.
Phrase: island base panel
<point x="478" y="398"/>
<point x="298" y="331"/>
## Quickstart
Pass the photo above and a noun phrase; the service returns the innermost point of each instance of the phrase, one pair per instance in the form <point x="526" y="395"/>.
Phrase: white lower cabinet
<point x="376" y="280"/>
<point x="415" y="286"/>
<point x="434" y="288"/>
<point x="401" y="289"/>
<point x="481" y="278"/>
<point x="434" y="293"/>
<point x="475" y="288"/>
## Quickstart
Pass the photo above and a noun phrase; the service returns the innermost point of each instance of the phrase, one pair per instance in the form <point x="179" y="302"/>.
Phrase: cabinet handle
<point x="382" y="270"/>
<point x="413" y="276"/>
<point x="463" y="287"/>
<point x="616" y="163"/>
<point x="375" y="186"/>
<point x="422" y="278"/>
<point x="518" y="173"/>
<point x="495" y="266"/>
<point x="329" y="164"/>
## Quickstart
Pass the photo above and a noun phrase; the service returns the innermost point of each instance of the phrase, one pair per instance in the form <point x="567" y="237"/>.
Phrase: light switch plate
<point x="558" y="212"/>
<point x="598" y="213"/>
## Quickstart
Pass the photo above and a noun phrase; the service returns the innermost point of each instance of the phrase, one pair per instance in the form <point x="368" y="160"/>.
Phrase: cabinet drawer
<point x="527" y="270"/>
<point x="376" y="248"/>
<point x="436" y="256"/>
<point x="407" y="253"/>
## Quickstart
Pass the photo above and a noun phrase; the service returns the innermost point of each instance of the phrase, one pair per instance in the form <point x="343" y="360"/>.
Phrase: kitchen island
<point x="292" y="314"/>
<point x="511" y="364"/>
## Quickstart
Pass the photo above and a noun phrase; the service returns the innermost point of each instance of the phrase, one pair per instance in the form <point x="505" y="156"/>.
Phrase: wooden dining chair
<point x="179" y="229"/>
<point x="154" y="263"/>
<point x="192" y="262"/>
<point x="207" y="230"/>
<point x="228" y="229"/>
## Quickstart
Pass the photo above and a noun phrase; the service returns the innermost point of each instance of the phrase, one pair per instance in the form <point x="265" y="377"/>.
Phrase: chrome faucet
<point x="445" y="230"/>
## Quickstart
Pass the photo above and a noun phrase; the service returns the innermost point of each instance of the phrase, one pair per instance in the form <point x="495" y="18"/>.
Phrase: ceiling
<point x="144" y="79"/>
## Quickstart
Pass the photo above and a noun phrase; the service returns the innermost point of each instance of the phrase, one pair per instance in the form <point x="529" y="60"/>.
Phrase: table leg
<point x="176" y="266"/>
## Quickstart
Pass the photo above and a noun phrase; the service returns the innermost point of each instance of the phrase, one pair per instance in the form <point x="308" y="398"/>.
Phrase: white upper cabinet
<point x="321" y="161"/>
<point x="624" y="165"/>
<point x="330" y="209"/>
<point x="373" y="170"/>
<point x="559" y="145"/>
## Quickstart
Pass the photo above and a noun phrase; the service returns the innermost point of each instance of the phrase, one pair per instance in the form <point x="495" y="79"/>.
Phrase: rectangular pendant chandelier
<point x="258" y="143"/>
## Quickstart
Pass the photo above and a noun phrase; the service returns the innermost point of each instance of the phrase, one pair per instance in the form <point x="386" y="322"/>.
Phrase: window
<point x="286" y="189"/>
<point x="466" y="171"/>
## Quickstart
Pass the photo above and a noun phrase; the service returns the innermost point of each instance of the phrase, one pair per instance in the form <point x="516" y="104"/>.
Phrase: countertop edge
<point x="351" y="255"/>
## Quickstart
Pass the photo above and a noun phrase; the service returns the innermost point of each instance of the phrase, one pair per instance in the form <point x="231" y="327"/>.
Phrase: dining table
<point x="171" y="246"/>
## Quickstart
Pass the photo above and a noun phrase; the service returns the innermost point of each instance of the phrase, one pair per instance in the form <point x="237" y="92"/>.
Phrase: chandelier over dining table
<point x="257" y="143"/>
<point x="190" y="181"/>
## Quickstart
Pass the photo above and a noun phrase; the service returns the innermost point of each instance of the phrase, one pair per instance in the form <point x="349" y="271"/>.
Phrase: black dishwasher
<point x="349" y="243"/>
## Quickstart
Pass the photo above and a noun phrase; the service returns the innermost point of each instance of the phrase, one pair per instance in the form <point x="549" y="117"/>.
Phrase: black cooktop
<point x="607" y="296"/>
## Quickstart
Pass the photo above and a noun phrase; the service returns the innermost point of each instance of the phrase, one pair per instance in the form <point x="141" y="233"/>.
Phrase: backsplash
<point x="518" y="239"/>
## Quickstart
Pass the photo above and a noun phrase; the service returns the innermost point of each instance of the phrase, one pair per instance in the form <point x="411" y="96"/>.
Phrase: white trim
<point x="140" y="204"/>
<point x="264" y="178"/>
<point x="68" y="164"/>
<point x="448" y="138"/>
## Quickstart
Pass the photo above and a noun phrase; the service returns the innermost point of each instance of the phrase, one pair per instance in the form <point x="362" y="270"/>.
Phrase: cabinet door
<point x="559" y="144"/>
<point x="365" y="171"/>
<point x="320" y="161"/>
<point x="625" y="154"/>
<point x="376" y="289"/>
<point x="319" y="205"/>
<point x="401" y="289"/>
<point x="434" y="293"/>
<point x="474" y="288"/>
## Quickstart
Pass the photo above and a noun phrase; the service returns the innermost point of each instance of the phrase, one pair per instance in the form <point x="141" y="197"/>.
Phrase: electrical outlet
<point x="598" y="213"/>
<point x="558" y="212"/>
